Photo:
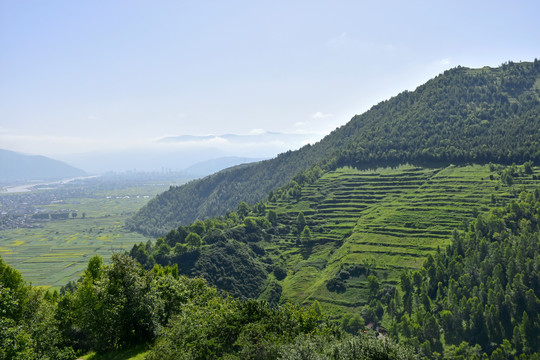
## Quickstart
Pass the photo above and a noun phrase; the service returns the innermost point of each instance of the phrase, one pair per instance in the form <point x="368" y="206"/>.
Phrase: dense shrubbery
<point x="28" y="328"/>
<point x="348" y="348"/>
<point x="122" y="305"/>
<point x="223" y="250"/>
<point x="249" y="329"/>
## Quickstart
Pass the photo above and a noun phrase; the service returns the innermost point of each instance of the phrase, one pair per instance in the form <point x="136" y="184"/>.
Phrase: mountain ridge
<point x="463" y="115"/>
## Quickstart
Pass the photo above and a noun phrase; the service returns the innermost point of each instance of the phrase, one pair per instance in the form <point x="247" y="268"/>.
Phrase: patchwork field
<point x="386" y="220"/>
<point x="58" y="251"/>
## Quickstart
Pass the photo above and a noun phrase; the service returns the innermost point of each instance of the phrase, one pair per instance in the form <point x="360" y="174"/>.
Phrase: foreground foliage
<point x="348" y="348"/>
<point x="122" y="306"/>
<point x="28" y="329"/>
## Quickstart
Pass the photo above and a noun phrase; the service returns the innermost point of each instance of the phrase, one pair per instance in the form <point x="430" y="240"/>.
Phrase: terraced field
<point x="386" y="220"/>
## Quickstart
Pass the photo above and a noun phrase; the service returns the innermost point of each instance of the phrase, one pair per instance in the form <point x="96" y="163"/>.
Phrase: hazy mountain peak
<point x="20" y="167"/>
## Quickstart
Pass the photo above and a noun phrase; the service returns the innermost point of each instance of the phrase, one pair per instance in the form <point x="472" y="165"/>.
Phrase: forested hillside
<point x="463" y="115"/>
<point x="299" y="243"/>
<point x="119" y="306"/>
<point x="480" y="294"/>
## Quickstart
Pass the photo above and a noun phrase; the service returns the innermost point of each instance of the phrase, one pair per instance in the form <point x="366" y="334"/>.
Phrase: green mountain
<point x="463" y="115"/>
<point x="434" y="244"/>
<point x="397" y="230"/>
<point x="19" y="167"/>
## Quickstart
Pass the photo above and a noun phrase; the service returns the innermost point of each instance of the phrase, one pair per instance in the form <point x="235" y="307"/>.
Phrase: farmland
<point x="51" y="250"/>
<point x="386" y="220"/>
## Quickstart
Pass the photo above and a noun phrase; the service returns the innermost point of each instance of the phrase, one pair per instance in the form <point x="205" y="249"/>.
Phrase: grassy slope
<point x="387" y="219"/>
<point x="135" y="353"/>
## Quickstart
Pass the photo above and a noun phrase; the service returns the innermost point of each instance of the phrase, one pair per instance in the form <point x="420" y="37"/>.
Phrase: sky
<point x="104" y="76"/>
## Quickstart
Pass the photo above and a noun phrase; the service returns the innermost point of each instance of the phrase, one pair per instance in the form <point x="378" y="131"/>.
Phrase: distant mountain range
<point x="177" y="153"/>
<point x="21" y="167"/>
<point x="263" y="137"/>
<point x="15" y="167"/>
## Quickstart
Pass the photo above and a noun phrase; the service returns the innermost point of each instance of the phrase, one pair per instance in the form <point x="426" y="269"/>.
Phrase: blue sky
<point x="79" y="76"/>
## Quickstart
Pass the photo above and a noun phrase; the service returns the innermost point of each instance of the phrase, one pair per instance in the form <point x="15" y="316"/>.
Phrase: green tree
<point x="529" y="333"/>
<point x="272" y="217"/>
<point x="198" y="228"/>
<point x="527" y="167"/>
<point x="243" y="209"/>
<point x="250" y="224"/>
<point x="300" y="222"/>
<point x="193" y="240"/>
<point x="316" y="306"/>
<point x="306" y="235"/>
<point x="355" y="324"/>
<point x="260" y="208"/>
<point x="373" y="286"/>
<point x="28" y="329"/>
<point x="161" y="253"/>
<point x="295" y="191"/>
<point x="407" y="288"/>
<point x="116" y="308"/>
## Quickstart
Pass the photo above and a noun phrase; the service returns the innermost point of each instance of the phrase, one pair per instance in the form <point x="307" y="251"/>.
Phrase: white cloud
<point x="445" y="61"/>
<point x="54" y="145"/>
<point x="119" y="154"/>
<point x="257" y="131"/>
<point x="320" y="115"/>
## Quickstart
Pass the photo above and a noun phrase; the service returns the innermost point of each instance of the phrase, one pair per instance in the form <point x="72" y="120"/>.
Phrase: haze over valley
<point x="286" y="180"/>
